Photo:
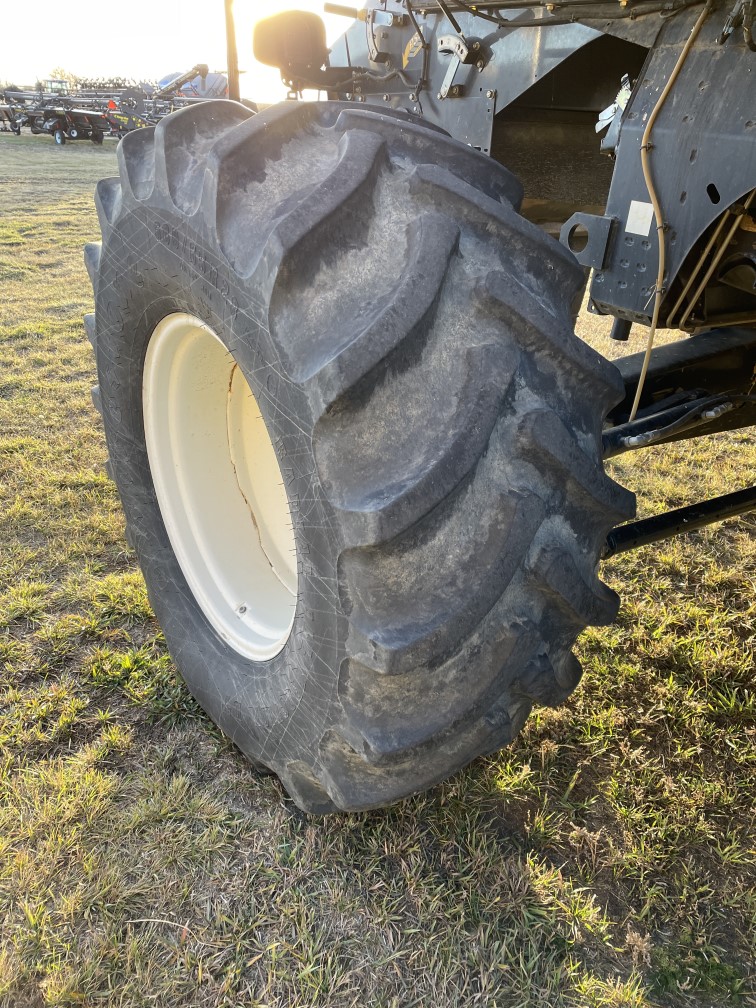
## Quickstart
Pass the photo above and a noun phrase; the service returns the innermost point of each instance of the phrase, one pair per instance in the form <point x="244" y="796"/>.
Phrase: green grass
<point x="606" y="859"/>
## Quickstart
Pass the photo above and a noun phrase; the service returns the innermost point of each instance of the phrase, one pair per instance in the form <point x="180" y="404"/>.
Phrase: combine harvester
<point x="360" y="448"/>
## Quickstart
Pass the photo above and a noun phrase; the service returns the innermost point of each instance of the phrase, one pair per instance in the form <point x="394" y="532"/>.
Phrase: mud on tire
<point x="408" y="338"/>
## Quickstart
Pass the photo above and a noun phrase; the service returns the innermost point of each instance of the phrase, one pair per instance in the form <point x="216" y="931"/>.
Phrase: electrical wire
<point x="645" y="151"/>
<point x="524" y="5"/>
<point x="495" y="18"/>
<point x="583" y="13"/>
<point x="424" y="45"/>
<point x="585" y="10"/>
<point x="363" y="74"/>
<point x="599" y="9"/>
<point x="415" y="24"/>
<point x="454" y="23"/>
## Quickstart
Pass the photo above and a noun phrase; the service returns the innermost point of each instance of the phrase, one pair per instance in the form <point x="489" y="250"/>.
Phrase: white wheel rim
<point x="219" y="487"/>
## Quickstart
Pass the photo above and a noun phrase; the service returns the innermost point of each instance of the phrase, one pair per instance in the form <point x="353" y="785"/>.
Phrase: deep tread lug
<point x="587" y="603"/>
<point x="136" y="163"/>
<point x="460" y="161"/>
<point x="107" y="201"/>
<point x="92" y="253"/>
<point x="306" y="791"/>
<point x="91" y="329"/>
<point x="374" y="515"/>
<point x="549" y="686"/>
<point x="521" y="234"/>
<point x="240" y="161"/>
<point x="406" y="612"/>
<point x="340" y="204"/>
<point x="431" y="242"/>
<point x="391" y="719"/>
<point x="545" y="436"/>
<point x="182" y="142"/>
<point x="503" y="294"/>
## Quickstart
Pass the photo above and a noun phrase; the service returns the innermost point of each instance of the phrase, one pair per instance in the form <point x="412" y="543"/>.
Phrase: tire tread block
<point x="588" y="602"/>
<point x="431" y="243"/>
<point x="543" y="435"/>
<point x="183" y="141"/>
<point x="90" y="328"/>
<point x="546" y="685"/>
<point x="392" y="717"/>
<point x="238" y="211"/>
<point x="416" y="600"/>
<point x="108" y="201"/>
<point x="460" y="162"/>
<point x="522" y="240"/>
<point x="301" y="784"/>
<point x="502" y="293"/>
<point x="136" y="163"/>
<point x="399" y="494"/>
<point x="336" y="214"/>
<point x="92" y="254"/>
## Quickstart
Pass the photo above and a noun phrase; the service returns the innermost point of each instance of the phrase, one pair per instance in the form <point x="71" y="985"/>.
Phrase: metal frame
<point x="633" y="535"/>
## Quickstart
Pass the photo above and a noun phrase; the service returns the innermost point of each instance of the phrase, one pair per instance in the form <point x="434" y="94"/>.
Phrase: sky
<point x="148" y="39"/>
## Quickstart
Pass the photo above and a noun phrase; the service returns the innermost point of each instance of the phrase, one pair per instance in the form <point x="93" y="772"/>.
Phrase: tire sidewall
<point x="152" y="267"/>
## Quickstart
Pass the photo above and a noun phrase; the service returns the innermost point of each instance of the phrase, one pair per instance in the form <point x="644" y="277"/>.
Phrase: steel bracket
<point x="591" y="250"/>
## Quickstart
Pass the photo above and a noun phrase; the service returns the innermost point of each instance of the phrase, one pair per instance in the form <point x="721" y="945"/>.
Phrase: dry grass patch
<point x="606" y="859"/>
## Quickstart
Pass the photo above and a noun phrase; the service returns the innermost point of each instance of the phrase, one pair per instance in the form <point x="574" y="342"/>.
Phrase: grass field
<point x="607" y="859"/>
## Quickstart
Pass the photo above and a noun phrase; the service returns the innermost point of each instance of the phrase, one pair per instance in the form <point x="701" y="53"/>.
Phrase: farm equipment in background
<point x="123" y="120"/>
<point x="93" y="109"/>
<point x="359" y="447"/>
<point x="195" y="83"/>
<point x="63" y="122"/>
<point x="8" y="117"/>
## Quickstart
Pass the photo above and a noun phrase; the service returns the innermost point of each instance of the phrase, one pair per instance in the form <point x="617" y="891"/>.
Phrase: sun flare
<point x="157" y="37"/>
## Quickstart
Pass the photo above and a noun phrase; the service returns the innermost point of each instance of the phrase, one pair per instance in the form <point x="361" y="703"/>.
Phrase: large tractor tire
<point x="357" y="442"/>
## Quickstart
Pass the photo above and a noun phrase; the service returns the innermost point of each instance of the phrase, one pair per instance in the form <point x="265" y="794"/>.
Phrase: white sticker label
<point x="639" y="218"/>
